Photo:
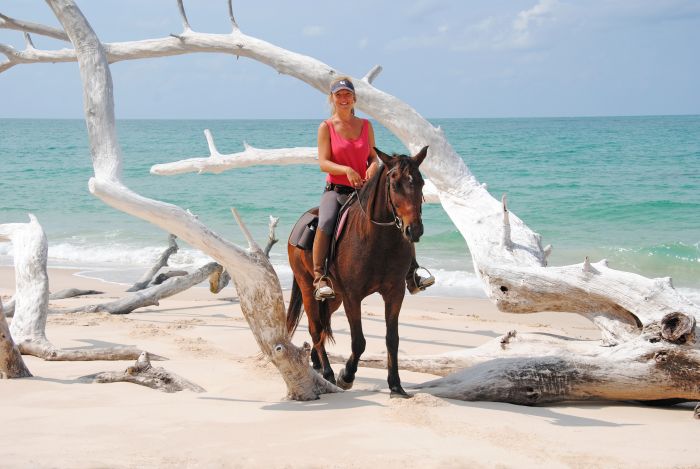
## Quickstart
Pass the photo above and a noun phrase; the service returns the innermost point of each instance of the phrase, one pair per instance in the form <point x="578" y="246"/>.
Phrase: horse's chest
<point x="375" y="257"/>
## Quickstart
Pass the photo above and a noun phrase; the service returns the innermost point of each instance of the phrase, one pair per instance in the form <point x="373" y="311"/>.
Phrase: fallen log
<point x="59" y="295"/>
<point x="144" y="374"/>
<point x="151" y="295"/>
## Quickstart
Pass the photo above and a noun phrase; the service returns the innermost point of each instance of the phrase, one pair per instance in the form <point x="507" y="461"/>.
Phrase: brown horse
<point x="373" y="255"/>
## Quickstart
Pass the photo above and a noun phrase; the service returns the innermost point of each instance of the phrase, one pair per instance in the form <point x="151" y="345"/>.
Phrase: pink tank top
<point x="349" y="152"/>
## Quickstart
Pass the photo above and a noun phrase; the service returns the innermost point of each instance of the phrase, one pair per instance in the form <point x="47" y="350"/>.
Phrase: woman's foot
<point x="323" y="290"/>
<point x="416" y="284"/>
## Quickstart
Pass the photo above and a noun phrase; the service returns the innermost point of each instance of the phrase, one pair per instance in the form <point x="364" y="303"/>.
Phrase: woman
<point x="346" y="153"/>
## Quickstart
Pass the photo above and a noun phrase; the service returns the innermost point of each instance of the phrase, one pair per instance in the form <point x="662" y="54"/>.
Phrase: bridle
<point x="396" y="221"/>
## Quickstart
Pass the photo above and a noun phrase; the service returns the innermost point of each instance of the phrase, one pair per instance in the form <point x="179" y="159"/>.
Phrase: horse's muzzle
<point x="413" y="232"/>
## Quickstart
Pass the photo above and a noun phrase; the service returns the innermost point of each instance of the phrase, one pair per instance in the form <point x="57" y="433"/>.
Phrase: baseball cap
<point x="342" y="85"/>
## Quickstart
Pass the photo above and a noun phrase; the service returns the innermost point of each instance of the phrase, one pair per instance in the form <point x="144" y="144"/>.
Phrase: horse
<point x="373" y="255"/>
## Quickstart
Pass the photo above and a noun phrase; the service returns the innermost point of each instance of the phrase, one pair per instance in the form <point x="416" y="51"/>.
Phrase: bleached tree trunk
<point x="256" y="282"/>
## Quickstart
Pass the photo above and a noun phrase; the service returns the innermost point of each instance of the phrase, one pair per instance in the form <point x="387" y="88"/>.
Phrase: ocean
<point x="622" y="188"/>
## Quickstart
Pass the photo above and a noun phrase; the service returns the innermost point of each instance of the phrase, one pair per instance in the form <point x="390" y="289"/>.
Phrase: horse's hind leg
<point x="320" y="361"/>
<point x="346" y="377"/>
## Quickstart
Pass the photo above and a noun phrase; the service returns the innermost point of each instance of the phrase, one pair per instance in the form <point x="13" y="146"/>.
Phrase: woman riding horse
<point x="346" y="152"/>
<point x="375" y="253"/>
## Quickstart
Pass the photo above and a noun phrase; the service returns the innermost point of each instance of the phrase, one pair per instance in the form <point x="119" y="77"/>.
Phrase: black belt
<point x="339" y="188"/>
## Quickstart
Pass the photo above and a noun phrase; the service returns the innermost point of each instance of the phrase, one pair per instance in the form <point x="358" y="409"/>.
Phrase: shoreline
<point x="243" y="420"/>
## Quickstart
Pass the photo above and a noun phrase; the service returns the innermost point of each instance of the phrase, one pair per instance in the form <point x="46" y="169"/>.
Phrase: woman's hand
<point x="371" y="170"/>
<point x="353" y="177"/>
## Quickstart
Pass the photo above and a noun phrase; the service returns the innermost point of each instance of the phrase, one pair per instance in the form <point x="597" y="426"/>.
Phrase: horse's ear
<point x="421" y="155"/>
<point x="386" y="159"/>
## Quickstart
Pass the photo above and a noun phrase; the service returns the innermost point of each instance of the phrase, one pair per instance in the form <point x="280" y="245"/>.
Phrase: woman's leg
<point x="327" y="214"/>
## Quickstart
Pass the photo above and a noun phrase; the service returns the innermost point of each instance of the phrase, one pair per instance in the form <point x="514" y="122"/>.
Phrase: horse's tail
<point x="324" y="314"/>
<point x="294" y="309"/>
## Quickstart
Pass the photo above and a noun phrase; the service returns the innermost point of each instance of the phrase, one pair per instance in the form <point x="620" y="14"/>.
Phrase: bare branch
<point x="250" y="156"/>
<point x="252" y="244"/>
<point x="213" y="152"/>
<point x="28" y="41"/>
<point x="183" y="15"/>
<point x="271" y="237"/>
<point x="506" y="242"/>
<point x="162" y="261"/>
<point x="11" y="23"/>
<point x="372" y="74"/>
<point x="234" y="24"/>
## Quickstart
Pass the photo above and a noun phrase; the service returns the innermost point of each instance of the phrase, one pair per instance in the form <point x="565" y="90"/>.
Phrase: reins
<point x="396" y="221"/>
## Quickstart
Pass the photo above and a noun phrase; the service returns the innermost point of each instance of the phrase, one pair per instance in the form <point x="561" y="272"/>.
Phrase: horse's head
<point x="405" y="190"/>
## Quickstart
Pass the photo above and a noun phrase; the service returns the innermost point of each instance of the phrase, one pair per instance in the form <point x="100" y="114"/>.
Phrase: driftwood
<point x="143" y="373"/>
<point x="32" y="299"/>
<point x="507" y="256"/>
<point x="59" y="295"/>
<point x="256" y="282"/>
<point x="11" y="362"/>
<point x="162" y="261"/>
<point x="151" y="295"/>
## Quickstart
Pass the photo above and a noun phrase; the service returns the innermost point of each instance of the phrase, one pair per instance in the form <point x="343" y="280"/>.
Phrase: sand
<point x="243" y="420"/>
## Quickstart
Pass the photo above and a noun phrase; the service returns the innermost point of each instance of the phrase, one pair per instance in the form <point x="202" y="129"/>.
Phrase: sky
<point x="445" y="58"/>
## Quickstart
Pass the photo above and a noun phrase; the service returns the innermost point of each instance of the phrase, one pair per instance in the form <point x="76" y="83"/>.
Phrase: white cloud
<point x="313" y="31"/>
<point x="527" y="20"/>
<point x="363" y="43"/>
<point x="510" y="30"/>
<point x="502" y="32"/>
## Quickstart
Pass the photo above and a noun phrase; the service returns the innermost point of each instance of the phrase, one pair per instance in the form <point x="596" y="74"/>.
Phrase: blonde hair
<point x="330" y="95"/>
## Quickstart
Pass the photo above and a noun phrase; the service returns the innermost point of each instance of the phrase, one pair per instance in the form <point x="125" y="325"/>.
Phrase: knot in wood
<point x="678" y="328"/>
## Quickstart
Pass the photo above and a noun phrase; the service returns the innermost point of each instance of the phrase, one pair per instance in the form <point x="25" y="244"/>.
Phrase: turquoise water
<point x="621" y="188"/>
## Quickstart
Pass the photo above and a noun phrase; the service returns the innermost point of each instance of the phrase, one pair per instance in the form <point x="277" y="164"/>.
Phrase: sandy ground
<point x="243" y="420"/>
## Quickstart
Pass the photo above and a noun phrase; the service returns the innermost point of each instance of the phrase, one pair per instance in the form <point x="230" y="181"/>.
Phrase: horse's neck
<point x="378" y="209"/>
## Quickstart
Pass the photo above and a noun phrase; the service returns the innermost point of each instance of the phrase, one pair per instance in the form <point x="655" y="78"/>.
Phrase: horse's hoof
<point x="400" y="394"/>
<point x="341" y="383"/>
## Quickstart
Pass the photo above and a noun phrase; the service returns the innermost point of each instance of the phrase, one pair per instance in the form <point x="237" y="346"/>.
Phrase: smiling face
<point x="344" y="100"/>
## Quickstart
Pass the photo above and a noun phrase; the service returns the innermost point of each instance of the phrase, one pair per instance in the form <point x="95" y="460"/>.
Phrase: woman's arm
<point x="372" y="161"/>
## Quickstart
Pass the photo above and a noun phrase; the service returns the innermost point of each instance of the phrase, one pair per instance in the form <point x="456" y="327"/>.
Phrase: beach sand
<point x="243" y="420"/>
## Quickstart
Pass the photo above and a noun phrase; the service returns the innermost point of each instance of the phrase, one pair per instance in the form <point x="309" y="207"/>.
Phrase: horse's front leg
<point x="353" y="311"/>
<point x="392" y="308"/>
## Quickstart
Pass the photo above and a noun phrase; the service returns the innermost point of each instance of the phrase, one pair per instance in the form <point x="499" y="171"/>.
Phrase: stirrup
<point x="324" y="292"/>
<point x="418" y="284"/>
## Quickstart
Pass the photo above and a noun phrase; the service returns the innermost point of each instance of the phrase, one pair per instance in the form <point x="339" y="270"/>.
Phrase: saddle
<point x="304" y="231"/>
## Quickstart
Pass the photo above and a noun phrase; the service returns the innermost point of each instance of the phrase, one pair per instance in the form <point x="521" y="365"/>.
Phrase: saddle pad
<point x="302" y="235"/>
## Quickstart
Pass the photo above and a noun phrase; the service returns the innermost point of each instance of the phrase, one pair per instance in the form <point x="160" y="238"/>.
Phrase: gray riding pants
<point x="328" y="210"/>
